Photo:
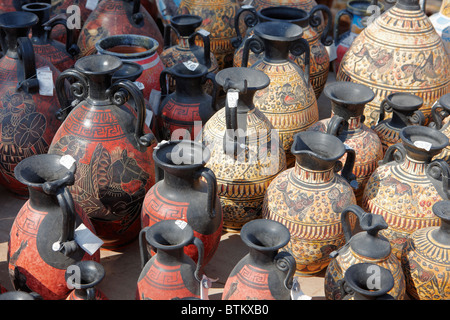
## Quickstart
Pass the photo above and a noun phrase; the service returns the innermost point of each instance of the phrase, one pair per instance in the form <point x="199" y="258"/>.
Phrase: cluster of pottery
<point x="173" y="126"/>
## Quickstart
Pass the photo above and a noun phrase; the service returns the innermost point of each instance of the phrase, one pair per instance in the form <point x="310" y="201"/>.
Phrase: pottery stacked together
<point x="171" y="128"/>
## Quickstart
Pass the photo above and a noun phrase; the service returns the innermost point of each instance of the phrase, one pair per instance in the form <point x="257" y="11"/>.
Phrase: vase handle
<point x="315" y="21"/>
<point x="136" y="15"/>
<point x="336" y="125"/>
<point x="347" y="170"/>
<point x="143" y="252"/>
<point x="168" y="35"/>
<point x="211" y="76"/>
<point x="253" y="43"/>
<point x="79" y="89"/>
<point x="286" y="263"/>
<point x="438" y="113"/>
<point x="343" y="12"/>
<point x="299" y="47"/>
<point x="211" y="182"/>
<point x="71" y="47"/>
<point x="438" y="171"/>
<point x="26" y="69"/>
<point x="205" y="36"/>
<point x="201" y="250"/>
<point x="250" y="20"/>
<point x="119" y="92"/>
<point x="395" y="152"/>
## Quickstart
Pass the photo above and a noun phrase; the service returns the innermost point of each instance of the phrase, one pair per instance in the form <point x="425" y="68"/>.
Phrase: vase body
<point x="398" y="52"/>
<point x="365" y="246"/>
<point x="319" y="61"/>
<point x="184" y="195"/>
<point x="89" y="273"/>
<point x="357" y="284"/>
<point x="170" y="273"/>
<point x="218" y="16"/>
<point x="407" y="183"/>
<point x="309" y="198"/>
<point x="359" y="12"/>
<point x="348" y="101"/>
<point x="117" y="17"/>
<point x="264" y="273"/>
<point x="183" y="113"/>
<point x="425" y="259"/>
<point x="48" y="218"/>
<point x="139" y="49"/>
<point x="112" y="147"/>
<point x="62" y="56"/>
<point x="289" y="101"/>
<point x="405" y="112"/>
<point x="186" y="49"/>
<point x="28" y="118"/>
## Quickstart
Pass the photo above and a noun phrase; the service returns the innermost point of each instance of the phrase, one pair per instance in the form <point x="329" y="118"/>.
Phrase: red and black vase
<point x="188" y="192"/>
<point x="62" y="56"/>
<point x="42" y="238"/>
<point x="264" y="273"/>
<point x="83" y="277"/>
<point x="113" y="147"/>
<point x="183" y="113"/>
<point x="28" y="121"/>
<point x="170" y="273"/>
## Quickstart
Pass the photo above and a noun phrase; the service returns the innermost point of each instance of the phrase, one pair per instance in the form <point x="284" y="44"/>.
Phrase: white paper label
<point x="45" y="79"/>
<point x="140" y="85"/>
<point x="87" y="240"/>
<point x="67" y="161"/>
<point x="331" y="51"/>
<point x="155" y="100"/>
<point x="206" y="284"/>
<point x="204" y="32"/>
<point x="191" y="65"/>
<point x="91" y="4"/>
<point x="232" y="98"/>
<point x="181" y="224"/>
<point x="297" y="293"/>
<point x="423" y="145"/>
<point x="148" y="117"/>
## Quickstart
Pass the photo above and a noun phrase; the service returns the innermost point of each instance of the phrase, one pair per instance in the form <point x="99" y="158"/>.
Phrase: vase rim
<point x="150" y="44"/>
<point x="288" y="14"/>
<point x="360" y="7"/>
<point x="36" y="6"/>
<point x="348" y="93"/>
<point x="410" y="135"/>
<point x="278" y="30"/>
<point x="129" y="70"/>
<point x="94" y="271"/>
<point x="101" y="64"/>
<point x="442" y="209"/>
<point x="357" y="275"/>
<point x="404" y="101"/>
<point x="18" y="19"/>
<point x="169" y="234"/>
<point x="165" y="162"/>
<point x="319" y="145"/>
<point x="256" y="79"/>
<point x="265" y="235"/>
<point x="183" y="20"/>
<point x="182" y="71"/>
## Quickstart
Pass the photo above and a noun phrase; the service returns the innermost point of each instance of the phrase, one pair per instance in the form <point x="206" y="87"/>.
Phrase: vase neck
<point x="183" y="179"/>
<point x="353" y="121"/>
<point x="276" y="51"/>
<point x="171" y="256"/>
<point x="98" y="85"/>
<point x="313" y="176"/>
<point x="11" y="40"/>
<point x="185" y="43"/>
<point x="40" y="200"/>
<point x="259" y="257"/>
<point x="414" y="166"/>
<point x="442" y="234"/>
<point x="188" y="86"/>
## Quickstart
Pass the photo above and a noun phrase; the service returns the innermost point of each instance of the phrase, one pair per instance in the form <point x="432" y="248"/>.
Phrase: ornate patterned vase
<point x="28" y="121"/>
<point x="83" y="277"/>
<point x="348" y="101"/>
<point x="407" y="183"/>
<point x="117" y="17"/>
<point x="170" y="273"/>
<point x="218" y="17"/>
<point x="439" y="113"/>
<point x="187" y="191"/>
<point x="364" y="246"/>
<point x="139" y="49"/>
<point x="361" y="14"/>
<point x="62" y="56"/>
<point x="358" y="283"/>
<point x="398" y="52"/>
<point x="264" y="273"/>
<point x="425" y="258"/>
<point x="404" y="108"/>
<point x="246" y="153"/>
<point x="289" y="101"/>
<point x="183" y="113"/>
<point x="319" y="62"/>
<point x="112" y="147"/>
<point x="309" y="198"/>
<point x="42" y="243"/>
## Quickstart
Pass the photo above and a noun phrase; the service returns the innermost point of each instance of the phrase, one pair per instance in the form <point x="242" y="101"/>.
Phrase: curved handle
<point x="439" y="171"/>
<point x="136" y="15"/>
<point x="163" y="82"/>
<point x="211" y="76"/>
<point x="438" y="113"/>
<point x="26" y="69"/>
<point x="316" y="21"/>
<point x="168" y="35"/>
<point x="201" y="251"/>
<point x="299" y="47"/>
<point x="206" y="45"/>
<point x="250" y="20"/>
<point x="211" y="183"/>
<point x="336" y="125"/>
<point x="286" y="263"/>
<point x="384" y="107"/>
<point x="395" y="152"/>
<point x="71" y="47"/>
<point x="79" y="89"/>
<point x="360" y="214"/>
<point x="253" y="43"/>
<point x="143" y="252"/>
<point x="343" y="12"/>
<point x="119" y="92"/>
<point x="417" y="118"/>
<point x="67" y="244"/>
<point x="90" y="294"/>
<point x="347" y="170"/>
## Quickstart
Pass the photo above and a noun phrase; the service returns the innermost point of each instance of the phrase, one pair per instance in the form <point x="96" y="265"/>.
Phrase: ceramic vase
<point x="83" y="277"/>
